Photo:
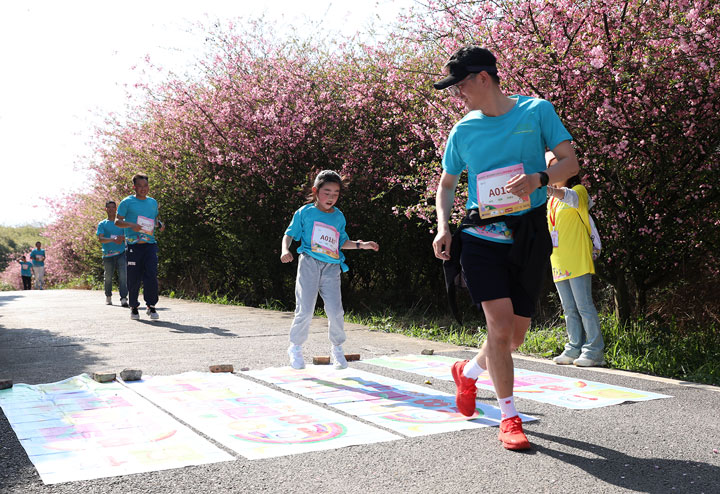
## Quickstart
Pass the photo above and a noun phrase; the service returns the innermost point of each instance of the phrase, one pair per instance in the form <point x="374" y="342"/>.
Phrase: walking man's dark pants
<point x="142" y="267"/>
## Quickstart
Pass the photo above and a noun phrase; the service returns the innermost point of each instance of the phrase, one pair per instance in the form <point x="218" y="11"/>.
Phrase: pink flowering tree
<point x="230" y="152"/>
<point x="637" y="84"/>
<point x="10" y="276"/>
<point x="230" y="156"/>
<point x="74" y="250"/>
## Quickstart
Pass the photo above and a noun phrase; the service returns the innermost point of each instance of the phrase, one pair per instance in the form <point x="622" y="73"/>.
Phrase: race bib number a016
<point x="493" y="199"/>
<point x="325" y="240"/>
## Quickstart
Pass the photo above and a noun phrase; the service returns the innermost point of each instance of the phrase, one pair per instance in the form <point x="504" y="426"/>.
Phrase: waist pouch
<point x="528" y="257"/>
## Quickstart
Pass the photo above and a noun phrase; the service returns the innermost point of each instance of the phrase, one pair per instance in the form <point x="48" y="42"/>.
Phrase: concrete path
<point x="659" y="446"/>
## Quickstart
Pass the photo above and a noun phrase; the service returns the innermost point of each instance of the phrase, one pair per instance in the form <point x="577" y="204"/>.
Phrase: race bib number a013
<point x="325" y="240"/>
<point x="493" y="199"/>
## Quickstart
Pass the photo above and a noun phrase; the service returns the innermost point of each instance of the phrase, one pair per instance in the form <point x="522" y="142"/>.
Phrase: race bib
<point x="147" y="225"/>
<point x="39" y="258"/>
<point x="325" y="240"/>
<point x="493" y="199"/>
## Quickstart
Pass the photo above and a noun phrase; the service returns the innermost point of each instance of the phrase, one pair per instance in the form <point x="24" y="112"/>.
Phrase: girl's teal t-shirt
<point x="321" y="235"/>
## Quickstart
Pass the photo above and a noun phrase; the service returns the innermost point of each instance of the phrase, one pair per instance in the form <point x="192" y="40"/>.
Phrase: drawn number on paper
<point x="431" y="403"/>
<point x="297" y="419"/>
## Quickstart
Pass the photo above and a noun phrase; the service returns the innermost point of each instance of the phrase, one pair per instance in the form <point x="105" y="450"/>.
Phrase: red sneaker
<point x="466" y="390"/>
<point x="512" y="435"/>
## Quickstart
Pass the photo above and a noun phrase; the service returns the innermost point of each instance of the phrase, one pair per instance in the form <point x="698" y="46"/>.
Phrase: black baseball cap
<point x="467" y="60"/>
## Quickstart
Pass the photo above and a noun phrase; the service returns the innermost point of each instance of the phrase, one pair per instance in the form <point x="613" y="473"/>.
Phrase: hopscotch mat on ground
<point x="78" y="429"/>
<point x="252" y="419"/>
<point x="396" y="405"/>
<point x="568" y="392"/>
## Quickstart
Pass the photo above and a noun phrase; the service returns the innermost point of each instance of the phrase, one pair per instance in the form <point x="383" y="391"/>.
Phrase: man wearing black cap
<point x="506" y="245"/>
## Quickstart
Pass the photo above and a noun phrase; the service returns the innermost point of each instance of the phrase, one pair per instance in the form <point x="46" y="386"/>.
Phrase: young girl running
<point x="320" y="228"/>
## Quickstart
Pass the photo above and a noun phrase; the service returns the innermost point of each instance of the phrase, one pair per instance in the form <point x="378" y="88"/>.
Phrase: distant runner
<point x="38" y="260"/>
<point x="25" y="272"/>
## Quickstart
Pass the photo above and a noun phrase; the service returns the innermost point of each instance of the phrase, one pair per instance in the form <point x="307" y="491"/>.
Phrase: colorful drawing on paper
<point x="78" y="429"/>
<point x="252" y="419"/>
<point x="401" y="407"/>
<point x="562" y="391"/>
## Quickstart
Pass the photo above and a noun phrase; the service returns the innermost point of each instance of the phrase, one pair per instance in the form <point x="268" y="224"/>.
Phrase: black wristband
<point x="544" y="179"/>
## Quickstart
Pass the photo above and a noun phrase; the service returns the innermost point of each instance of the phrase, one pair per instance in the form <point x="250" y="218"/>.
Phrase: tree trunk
<point x="622" y="299"/>
<point x="641" y="299"/>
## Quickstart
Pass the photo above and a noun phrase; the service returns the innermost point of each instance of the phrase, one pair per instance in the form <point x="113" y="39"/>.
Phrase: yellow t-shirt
<point x="573" y="255"/>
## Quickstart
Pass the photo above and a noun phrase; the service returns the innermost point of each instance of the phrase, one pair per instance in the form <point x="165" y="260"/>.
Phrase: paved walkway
<point x="658" y="446"/>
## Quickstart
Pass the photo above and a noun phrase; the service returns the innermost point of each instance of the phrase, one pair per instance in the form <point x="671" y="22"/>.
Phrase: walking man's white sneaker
<point x="152" y="313"/>
<point x="108" y="300"/>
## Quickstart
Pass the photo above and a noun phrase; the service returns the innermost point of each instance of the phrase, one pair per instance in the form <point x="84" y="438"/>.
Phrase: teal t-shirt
<point x="145" y="213"/>
<point x="320" y="234"/>
<point x="25" y="268"/>
<point x="107" y="229"/>
<point x="38" y="257"/>
<point x="478" y="143"/>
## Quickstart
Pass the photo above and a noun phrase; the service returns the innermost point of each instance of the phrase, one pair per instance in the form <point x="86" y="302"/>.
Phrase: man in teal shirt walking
<point x="112" y="239"/>
<point x="138" y="215"/>
<point x="505" y="249"/>
<point x="38" y="260"/>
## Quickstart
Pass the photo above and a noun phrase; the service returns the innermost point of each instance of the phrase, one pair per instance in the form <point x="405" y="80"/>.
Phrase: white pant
<point x="315" y="277"/>
<point x="39" y="276"/>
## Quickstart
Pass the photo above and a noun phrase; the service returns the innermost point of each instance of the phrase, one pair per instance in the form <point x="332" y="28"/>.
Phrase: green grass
<point x="18" y="239"/>
<point x="212" y="298"/>
<point x="641" y="347"/>
<point x="540" y="341"/>
<point x="86" y="282"/>
<point x="663" y="350"/>
<point x="5" y="287"/>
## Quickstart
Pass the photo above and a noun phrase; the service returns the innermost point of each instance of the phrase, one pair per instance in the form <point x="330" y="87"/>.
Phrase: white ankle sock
<point x="472" y="369"/>
<point x="507" y="407"/>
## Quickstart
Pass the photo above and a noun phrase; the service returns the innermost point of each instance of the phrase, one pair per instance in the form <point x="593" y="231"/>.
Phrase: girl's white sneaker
<point x="338" y="357"/>
<point x="296" y="357"/>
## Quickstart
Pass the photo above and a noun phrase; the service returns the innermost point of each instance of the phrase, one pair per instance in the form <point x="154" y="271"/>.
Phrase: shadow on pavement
<point x="34" y="356"/>
<point x="652" y="475"/>
<point x="184" y="328"/>
<point x="4" y="299"/>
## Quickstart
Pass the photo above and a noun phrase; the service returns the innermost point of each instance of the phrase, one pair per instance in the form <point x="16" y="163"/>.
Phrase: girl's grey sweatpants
<point x="315" y="277"/>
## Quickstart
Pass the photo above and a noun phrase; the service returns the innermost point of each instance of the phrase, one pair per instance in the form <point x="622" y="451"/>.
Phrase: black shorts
<point x="488" y="276"/>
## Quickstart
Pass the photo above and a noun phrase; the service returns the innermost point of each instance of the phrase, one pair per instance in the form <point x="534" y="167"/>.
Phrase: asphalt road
<point x="659" y="446"/>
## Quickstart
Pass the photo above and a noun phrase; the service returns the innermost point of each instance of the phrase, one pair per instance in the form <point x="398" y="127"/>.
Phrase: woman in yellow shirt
<point x="572" y="268"/>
